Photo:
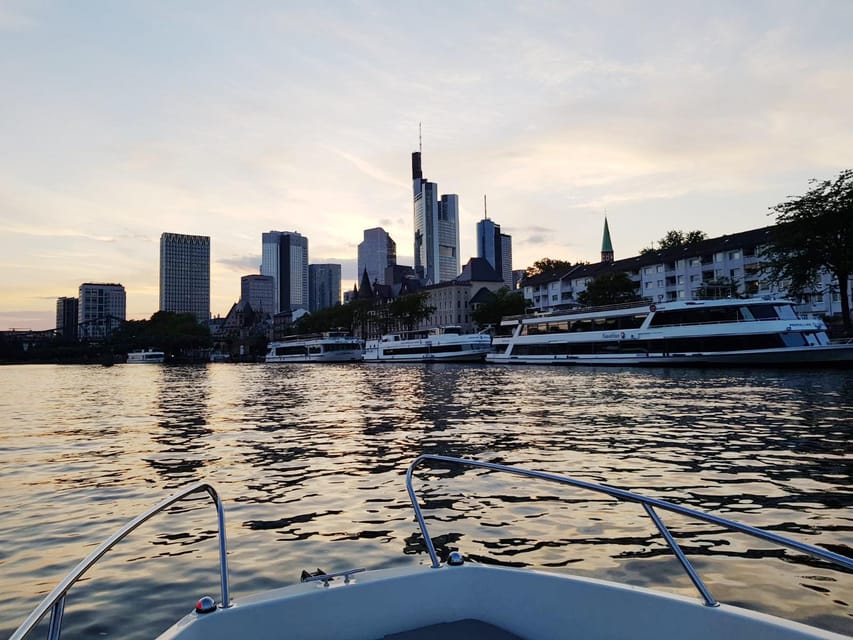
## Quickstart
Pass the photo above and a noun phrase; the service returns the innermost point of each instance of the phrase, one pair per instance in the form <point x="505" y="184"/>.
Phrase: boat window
<point x="762" y="312"/>
<point x="786" y="312"/>
<point x="290" y="351"/>
<point x="794" y="339"/>
<point x="505" y="329"/>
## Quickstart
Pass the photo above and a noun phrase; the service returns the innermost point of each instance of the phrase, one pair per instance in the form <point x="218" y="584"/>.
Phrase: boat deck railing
<point x="55" y="600"/>
<point x="649" y="504"/>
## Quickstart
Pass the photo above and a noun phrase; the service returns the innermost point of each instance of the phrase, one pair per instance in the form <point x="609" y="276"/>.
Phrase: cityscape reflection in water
<point x="310" y="462"/>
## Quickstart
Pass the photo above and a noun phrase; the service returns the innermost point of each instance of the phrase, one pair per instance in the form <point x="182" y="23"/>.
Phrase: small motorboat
<point x="460" y="599"/>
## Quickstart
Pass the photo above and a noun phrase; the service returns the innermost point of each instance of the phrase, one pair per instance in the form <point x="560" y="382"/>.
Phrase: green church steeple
<point x="606" y="245"/>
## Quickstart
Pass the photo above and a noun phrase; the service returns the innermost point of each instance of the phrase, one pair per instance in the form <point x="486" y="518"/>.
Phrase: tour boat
<point x="440" y="344"/>
<point x="331" y="346"/>
<point x="146" y="356"/>
<point x="754" y="331"/>
<point x="459" y="598"/>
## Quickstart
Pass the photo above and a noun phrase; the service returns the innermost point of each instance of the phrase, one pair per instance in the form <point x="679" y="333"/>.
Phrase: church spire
<point x="606" y="245"/>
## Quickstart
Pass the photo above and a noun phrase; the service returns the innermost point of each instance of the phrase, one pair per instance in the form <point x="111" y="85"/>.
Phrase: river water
<point x="310" y="463"/>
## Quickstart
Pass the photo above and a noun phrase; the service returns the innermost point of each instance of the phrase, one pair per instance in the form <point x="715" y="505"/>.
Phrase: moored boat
<point x="460" y="599"/>
<point x="146" y="356"/>
<point x="440" y="344"/>
<point x="753" y="331"/>
<point x="331" y="346"/>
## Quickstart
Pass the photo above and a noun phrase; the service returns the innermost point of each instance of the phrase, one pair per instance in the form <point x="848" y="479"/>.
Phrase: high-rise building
<point x="284" y="256"/>
<point x="496" y="248"/>
<point x="325" y="286"/>
<point x="259" y="292"/>
<point x="376" y="253"/>
<point x="67" y="312"/>
<point x="185" y="275"/>
<point x="436" y="229"/>
<point x="101" y="309"/>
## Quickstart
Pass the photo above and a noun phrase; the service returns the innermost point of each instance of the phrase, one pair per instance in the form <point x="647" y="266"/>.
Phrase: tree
<point x="339" y="316"/>
<point x="410" y="309"/>
<point x="814" y="232"/>
<point x="675" y="239"/>
<point x="614" y="287"/>
<point x="500" y="304"/>
<point x="547" y="265"/>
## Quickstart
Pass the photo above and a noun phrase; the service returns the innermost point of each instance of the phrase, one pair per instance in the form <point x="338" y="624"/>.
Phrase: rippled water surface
<point x="310" y="463"/>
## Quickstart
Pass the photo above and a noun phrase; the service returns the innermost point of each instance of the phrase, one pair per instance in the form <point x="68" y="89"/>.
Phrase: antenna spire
<point x="420" y="139"/>
<point x="485" y="208"/>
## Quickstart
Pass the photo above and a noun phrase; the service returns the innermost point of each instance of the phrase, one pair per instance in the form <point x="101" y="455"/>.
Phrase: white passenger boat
<point x="441" y="344"/>
<point x="753" y="331"/>
<point x="461" y="599"/>
<point x="331" y="346"/>
<point x="146" y="356"/>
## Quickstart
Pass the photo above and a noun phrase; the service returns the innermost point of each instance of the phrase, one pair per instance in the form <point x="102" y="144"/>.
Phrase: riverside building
<point x="712" y="267"/>
<point x="185" y="275"/>
<point x="101" y="309"/>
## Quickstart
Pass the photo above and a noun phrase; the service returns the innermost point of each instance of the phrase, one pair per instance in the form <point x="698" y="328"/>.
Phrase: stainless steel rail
<point x="55" y="600"/>
<point x="649" y="504"/>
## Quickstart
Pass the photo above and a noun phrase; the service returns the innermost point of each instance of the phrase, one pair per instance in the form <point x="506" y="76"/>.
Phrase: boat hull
<point x="343" y="356"/>
<point x="529" y="604"/>
<point x="818" y="355"/>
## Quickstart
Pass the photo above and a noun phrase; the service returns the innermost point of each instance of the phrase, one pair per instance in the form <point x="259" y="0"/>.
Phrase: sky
<point x="123" y="120"/>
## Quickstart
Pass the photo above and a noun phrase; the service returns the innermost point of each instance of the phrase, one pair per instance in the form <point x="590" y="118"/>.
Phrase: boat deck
<point x="469" y="629"/>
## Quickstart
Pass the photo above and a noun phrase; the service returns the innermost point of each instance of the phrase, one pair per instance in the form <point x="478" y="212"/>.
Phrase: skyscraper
<point x="258" y="291"/>
<point x="325" y="285"/>
<point x="436" y="228"/>
<point x="67" y="312"/>
<point x="284" y="256"/>
<point x="101" y="308"/>
<point x="185" y="275"/>
<point x="496" y="248"/>
<point x="376" y="253"/>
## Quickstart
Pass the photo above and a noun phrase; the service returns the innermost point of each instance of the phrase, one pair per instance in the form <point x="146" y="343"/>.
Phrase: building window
<point x="695" y="262"/>
<point x="734" y="255"/>
<point x="718" y="257"/>
<point x="660" y="268"/>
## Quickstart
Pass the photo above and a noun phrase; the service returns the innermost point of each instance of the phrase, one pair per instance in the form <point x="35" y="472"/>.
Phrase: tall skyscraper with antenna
<point x="495" y="247"/>
<point x="436" y="228"/>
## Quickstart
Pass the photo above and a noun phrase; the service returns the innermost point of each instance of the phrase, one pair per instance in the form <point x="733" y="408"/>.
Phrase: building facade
<point x="436" y="222"/>
<point x="101" y="309"/>
<point x="259" y="292"/>
<point x="67" y="312"/>
<point x="376" y="253"/>
<point x="324" y="286"/>
<point x="729" y="264"/>
<point x="284" y="256"/>
<point x="185" y="274"/>
<point x="496" y="248"/>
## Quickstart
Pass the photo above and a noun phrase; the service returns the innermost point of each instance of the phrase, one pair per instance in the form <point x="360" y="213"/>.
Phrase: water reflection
<point x="182" y="424"/>
<point x="310" y="463"/>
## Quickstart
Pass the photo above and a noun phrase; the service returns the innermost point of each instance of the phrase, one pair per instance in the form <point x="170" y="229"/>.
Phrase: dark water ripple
<point x="310" y="462"/>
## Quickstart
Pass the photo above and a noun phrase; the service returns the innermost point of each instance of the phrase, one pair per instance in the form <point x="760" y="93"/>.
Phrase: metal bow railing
<point x="55" y="600"/>
<point x="649" y="504"/>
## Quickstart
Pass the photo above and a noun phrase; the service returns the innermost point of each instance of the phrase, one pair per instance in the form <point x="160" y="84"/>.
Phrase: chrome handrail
<point x="55" y="600"/>
<point x="648" y="504"/>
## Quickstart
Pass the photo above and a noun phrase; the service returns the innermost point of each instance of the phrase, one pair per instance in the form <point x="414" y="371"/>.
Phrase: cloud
<point x="244" y="265"/>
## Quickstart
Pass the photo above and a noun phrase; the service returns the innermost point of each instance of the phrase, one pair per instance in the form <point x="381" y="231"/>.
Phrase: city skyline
<point x="213" y="120"/>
